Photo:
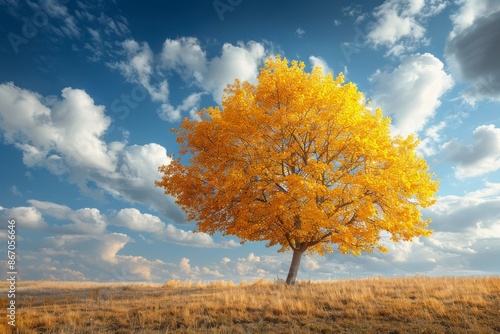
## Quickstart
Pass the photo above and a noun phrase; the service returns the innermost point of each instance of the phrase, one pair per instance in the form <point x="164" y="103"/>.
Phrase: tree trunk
<point x="294" y="267"/>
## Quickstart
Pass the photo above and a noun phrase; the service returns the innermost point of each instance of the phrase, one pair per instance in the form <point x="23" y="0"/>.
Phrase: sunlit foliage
<point x="302" y="161"/>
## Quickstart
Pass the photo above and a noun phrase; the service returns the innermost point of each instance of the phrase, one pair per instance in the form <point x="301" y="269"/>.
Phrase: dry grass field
<point x="373" y="305"/>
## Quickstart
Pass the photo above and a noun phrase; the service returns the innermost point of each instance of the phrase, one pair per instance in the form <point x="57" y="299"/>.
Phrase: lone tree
<point x="301" y="161"/>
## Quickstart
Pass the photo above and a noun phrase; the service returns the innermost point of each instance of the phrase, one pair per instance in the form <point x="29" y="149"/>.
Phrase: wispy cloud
<point x="185" y="57"/>
<point x="300" y="32"/>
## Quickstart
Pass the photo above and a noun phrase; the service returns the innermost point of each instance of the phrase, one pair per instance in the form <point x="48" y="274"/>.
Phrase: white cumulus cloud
<point x="82" y="221"/>
<point x="480" y="157"/>
<point x="65" y="137"/>
<point x="399" y="24"/>
<point x="411" y="92"/>
<point x="27" y="218"/>
<point x="145" y="222"/>
<point x="137" y="221"/>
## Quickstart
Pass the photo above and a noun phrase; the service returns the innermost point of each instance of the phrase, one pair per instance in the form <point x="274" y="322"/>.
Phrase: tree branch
<point x="292" y="244"/>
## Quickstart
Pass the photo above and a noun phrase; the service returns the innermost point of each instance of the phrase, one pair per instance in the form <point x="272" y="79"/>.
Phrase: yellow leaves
<point x="299" y="158"/>
<point x="382" y="249"/>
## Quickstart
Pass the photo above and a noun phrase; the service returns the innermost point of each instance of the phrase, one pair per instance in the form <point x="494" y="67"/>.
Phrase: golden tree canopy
<point x="300" y="160"/>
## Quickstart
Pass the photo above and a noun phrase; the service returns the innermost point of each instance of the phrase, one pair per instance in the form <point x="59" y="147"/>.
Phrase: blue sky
<point x="89" y="93"/>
